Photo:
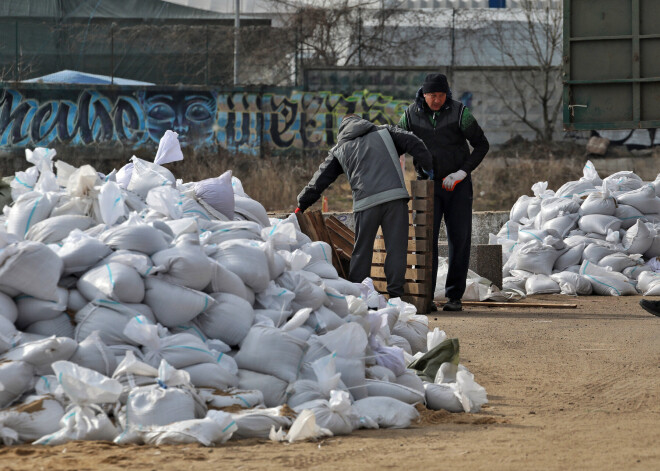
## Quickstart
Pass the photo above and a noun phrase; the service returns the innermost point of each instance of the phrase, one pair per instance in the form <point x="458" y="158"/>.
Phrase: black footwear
<point x="453" y="305"/>
<point x="652" y="307"/>
<point x="433" y="307"/>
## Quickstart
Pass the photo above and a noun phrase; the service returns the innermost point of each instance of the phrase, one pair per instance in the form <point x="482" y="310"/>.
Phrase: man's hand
<point x="453" y="179"/>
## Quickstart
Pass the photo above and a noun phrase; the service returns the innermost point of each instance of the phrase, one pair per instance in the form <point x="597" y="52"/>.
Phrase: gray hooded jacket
<point x="369" y="156"/>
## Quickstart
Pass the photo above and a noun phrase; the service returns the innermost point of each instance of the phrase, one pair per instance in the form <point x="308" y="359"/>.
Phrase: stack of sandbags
<point x="592" y="236"/>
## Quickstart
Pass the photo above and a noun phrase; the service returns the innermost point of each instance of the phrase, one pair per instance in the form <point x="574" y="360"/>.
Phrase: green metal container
<point x="611" y="64"/>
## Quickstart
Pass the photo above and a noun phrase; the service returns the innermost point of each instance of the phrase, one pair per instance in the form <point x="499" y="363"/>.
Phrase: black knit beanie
<point x="435" y="83"/>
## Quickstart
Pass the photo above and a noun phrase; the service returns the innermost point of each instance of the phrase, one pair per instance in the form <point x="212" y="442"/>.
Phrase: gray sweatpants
<point x="393" y="218"/>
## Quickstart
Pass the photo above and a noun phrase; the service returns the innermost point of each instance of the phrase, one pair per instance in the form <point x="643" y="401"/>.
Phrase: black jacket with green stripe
<point x="369" y="156"/>
<point x="446" y="133"/>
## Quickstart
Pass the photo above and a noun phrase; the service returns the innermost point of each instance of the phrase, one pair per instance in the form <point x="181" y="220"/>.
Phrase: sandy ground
<point x="568" y="389"/>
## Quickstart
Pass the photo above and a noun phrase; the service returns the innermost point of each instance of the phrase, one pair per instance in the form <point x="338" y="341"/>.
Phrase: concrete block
<point x="485" y="260"/>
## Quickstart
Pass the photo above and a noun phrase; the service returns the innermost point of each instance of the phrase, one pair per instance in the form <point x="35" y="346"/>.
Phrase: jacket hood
<point x="421" y="103"/>
<point x="353" y="127"/>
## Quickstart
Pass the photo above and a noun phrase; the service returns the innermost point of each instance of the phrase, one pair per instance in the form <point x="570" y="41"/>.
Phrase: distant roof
<point x="73" y="76"/>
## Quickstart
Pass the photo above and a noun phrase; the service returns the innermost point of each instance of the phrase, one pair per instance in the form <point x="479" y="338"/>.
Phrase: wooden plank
<point x="519" y="305"/>
<point x="340" y="243"/>
<point x="419" y="260"/>
<point x="420" y="219"/>
<point x="341" y="229"/>
<point x="317" y="222"/>
<point x="421" y="205"/>
<point x="421" y="189"/>
<point x="412" y="274"/>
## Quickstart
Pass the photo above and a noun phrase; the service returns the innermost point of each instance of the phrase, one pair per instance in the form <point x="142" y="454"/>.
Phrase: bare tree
<point x="528" y="44"/>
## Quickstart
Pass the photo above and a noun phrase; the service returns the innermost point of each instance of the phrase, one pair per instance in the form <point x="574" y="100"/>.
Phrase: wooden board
<point x="519" y="305"/>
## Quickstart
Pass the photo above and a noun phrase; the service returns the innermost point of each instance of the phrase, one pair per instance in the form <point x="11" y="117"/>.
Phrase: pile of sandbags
<point x="591" y="236"/>
<point x="141" y="309"/>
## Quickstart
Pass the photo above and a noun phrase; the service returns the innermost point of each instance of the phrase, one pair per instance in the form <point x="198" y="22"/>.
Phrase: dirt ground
<point x="568" y="389"/>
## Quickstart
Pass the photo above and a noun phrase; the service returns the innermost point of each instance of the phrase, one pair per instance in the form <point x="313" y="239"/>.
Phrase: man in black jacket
<point x="446" y="126"/>
<point x="369" y="156"/>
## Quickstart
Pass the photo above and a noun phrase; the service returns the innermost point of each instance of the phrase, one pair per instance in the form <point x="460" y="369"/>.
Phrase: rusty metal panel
<point x="611" y="66"/>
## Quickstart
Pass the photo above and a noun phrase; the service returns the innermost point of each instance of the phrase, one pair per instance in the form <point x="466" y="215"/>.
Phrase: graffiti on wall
<point x="244" y="122"/>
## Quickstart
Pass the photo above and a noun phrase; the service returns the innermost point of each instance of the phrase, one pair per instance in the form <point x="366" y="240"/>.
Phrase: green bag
<point x="428" y="365"/>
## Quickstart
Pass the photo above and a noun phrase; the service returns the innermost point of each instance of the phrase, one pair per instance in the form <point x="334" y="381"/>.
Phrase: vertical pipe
<point x="16" y="74"/>
<point x="112" y="53"/>
<point x="636" y="69"/>
<point x="237" y="25"/>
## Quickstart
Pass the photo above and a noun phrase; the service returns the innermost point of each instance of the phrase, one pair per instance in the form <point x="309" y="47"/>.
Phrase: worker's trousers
<point x="456" y="207"/>
<point x="393" y="218"/>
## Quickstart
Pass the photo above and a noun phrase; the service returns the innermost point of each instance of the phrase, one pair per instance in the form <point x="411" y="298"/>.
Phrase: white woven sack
<point x="321" y="262"/>
<point x="275" y="298"/>
<point x="55" y="229"/>
<point x="42" y="352"/>
<point x="166" y="201"/>
<point x="642" y="199"/>
<point x="526" y="234"/>
<point x="31" y="309"/>
<point x="92" y="353"/>
<point x="638" y="238"/>
<point x="247" y="399"/>
<point x="186" y="265"/>
<point x="140" y="261"/>
<point x="228" y="319"/>
<point x="573" y="256"/>
<point x="247" y="260"/>
<point x="212" y="375"/>
<point x="322" y="320"/>
<point x="634" y="271"/>
<point x="537" y="257"/>
<point x="509" y="230"/>
<point x="60" y="326"/>
<point x="29" y="209"/>
<point x="387" y="412"/>
<point x="217" y="232"/>
<point x="628" y="215"/>
<point x="519" y="209"/>
<point x="442" y="396"/>
<point x="561" y="225"/>
<point x="410" y="379"/>
<point x="575" y="188"/>
<point x="622" y="181"/>
<point x="335" y="301"/>
<point x="217" y="192"/>
<point x="153" y="405"/>
<point x="256" y="423"/>
<point x="619" y="261"/>
<point x="594" y="252"/>
<point x="172" y="304"/>
<point x="80" y="251"/>
<point x="107" y="317"/>
<point x="31" y="268"/>
<point x="397" y="391"/>
<point x="654" y="249"/>
<point x="8" y="308"/>
<point x="598" y="203"/>
<point x="35" y="417"/>
<point x="147" y="175"/>
<point x="345" y="287"/>
<point x="272" y="388"/>
<point x="114" y="281"/>
<point x="251" y="210"/>
<point x="16" y="377"/>
<point x="76" y="301"/>
<point x="269" y="350"/>
<point x="307" y="293"/>
<point x="648" y="282"/>
<point x="607" y="283"/>
<point x="599" y="223"/>
<point x="138" y="237"/>
<point x="336" y="414"/>
<point x="541" y="284"/>
<point x="572" y="284"/>
<point x="554" y="207"/>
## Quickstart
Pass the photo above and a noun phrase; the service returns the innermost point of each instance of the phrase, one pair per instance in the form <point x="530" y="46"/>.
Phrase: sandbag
<point x="599" y="223"/>
<point x="218" y="193"/>
<point x="599" y="203"/>
<point x="247" y="261"/>
<point x="31" y="268"/>
<point x="31" y="309"/>
<point x="135" y="235"/>
<point x="60" y="326"/>
<point x="147" y="175"/>
<point x="114" y="281"/>
<point x="92" y="353"/>
<point x="172" y="304"/>
<point x="628" y="215"/>
<point x="35" y="417"/>
<point x="256" y="423"/>
<point x="29" y="209"/>
<point x="643" y="199"/>
<point x="185" y="265"/>
<point x="572" y="284"/>
<point x="638" y="238"/>
<point x="251" y="210"/>
<point x="541" y="284"/>
<point x="228" y="319"/>
<point x="16" y="377"/>
<point x="272" y="388"/>
<point x="80" y="251"/>
<point x="387" y="412"/>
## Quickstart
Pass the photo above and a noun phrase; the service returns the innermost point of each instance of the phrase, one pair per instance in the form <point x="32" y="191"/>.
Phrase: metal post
<point x="237" y="25"/>
<point x="16" y="74"/>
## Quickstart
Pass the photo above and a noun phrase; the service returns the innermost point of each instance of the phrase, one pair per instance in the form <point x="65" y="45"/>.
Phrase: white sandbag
<point x="54" y="229"/>
<point x="272" y="388"/>
<point x="8" y="308"/>
<point x="622" y="181"/>
<point x="31" y="309"/>
<point x="345" y="287"/>
<point x="394" y="390"/>
<point x="217" y="232"/>
<point x="141" y="262"/>
<point x="218" y="193"/>
<point x="212" y="375"/>
<point x="147" y="175"/>
<point x="42" y="352"/>
<point x="321" y="261"/>
<point x="599" y="223"/>
<point x="628" y="215"/>
<point x="606" y="282"/>
<point x="509" y="230"/>
<point x="35" y="417"/>
<point x="380" y="372"/>
<point x="111" y="203"/>
<point x="275" y="298"/>
<point x="114" y="281"/>
<point x="573" y="256"/>
<point x="185" y="265"/>
<point x="226" y="281"/>
<point x="135" y="235"/>
<point x="572" y="284"/>
<point x="472" y="395"/>
<point x="92" y="353"/>
<point x="108" y="317"/>
<point x="526" y="234"/>
<point x="214" y="429"/>
<point x="16" y="378"/>
<point x="84" y="419"/>
<point x="554" y="207"/>
<point x="638" y="238"/>
<point x="251" y="210"/>
<point x="60" y="326"/>
<point x="322" y="320"/>
<point x="269" y="350"/>
<point x="575" y="188"/>
<point x="28" y="210"/>
<point x="599" y="203"/>
<point x="166" y="202"/>
<point x="594" y="252"/>
<point x="636" y="270"/>
<point x="231" y="397"/>
<point x="442" y="396"/>
<point x="541" y="284"/>
<point x="519" y="209"/>
<point x="648" y="283"/>
<point x="335" y="414"/>
<point x="335" y="301"/>
<point x="307" y="293"/>
<point x="387" y="412"/>
<point x="303" y="428"/>
<point x="411" y="326"/>
<point x="256" y="423"/>
<point x="172" y="304"/>
<point x="537" y="257"/>
<point x="642" y="199"/>
<point x="31" y="268"/>
<point x="246" y="260"/>
<point x="80" y="251"/>
<point x="654" y="249"/>
<point x="619" y="261"/>
<point x="228" y="319"/>
<point x="24" y="182"/>
<point x="561" y="225"/>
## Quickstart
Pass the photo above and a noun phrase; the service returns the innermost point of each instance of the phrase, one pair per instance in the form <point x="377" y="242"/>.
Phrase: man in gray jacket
<point x="369" y="156"/>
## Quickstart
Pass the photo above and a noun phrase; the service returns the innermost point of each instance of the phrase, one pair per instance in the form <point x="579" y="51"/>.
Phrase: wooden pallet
<point x="312" y="224"/>
<point x="420" y="255"/>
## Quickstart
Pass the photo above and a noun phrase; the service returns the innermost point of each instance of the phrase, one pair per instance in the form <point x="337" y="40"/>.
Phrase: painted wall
<point x="245" y="121"/>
